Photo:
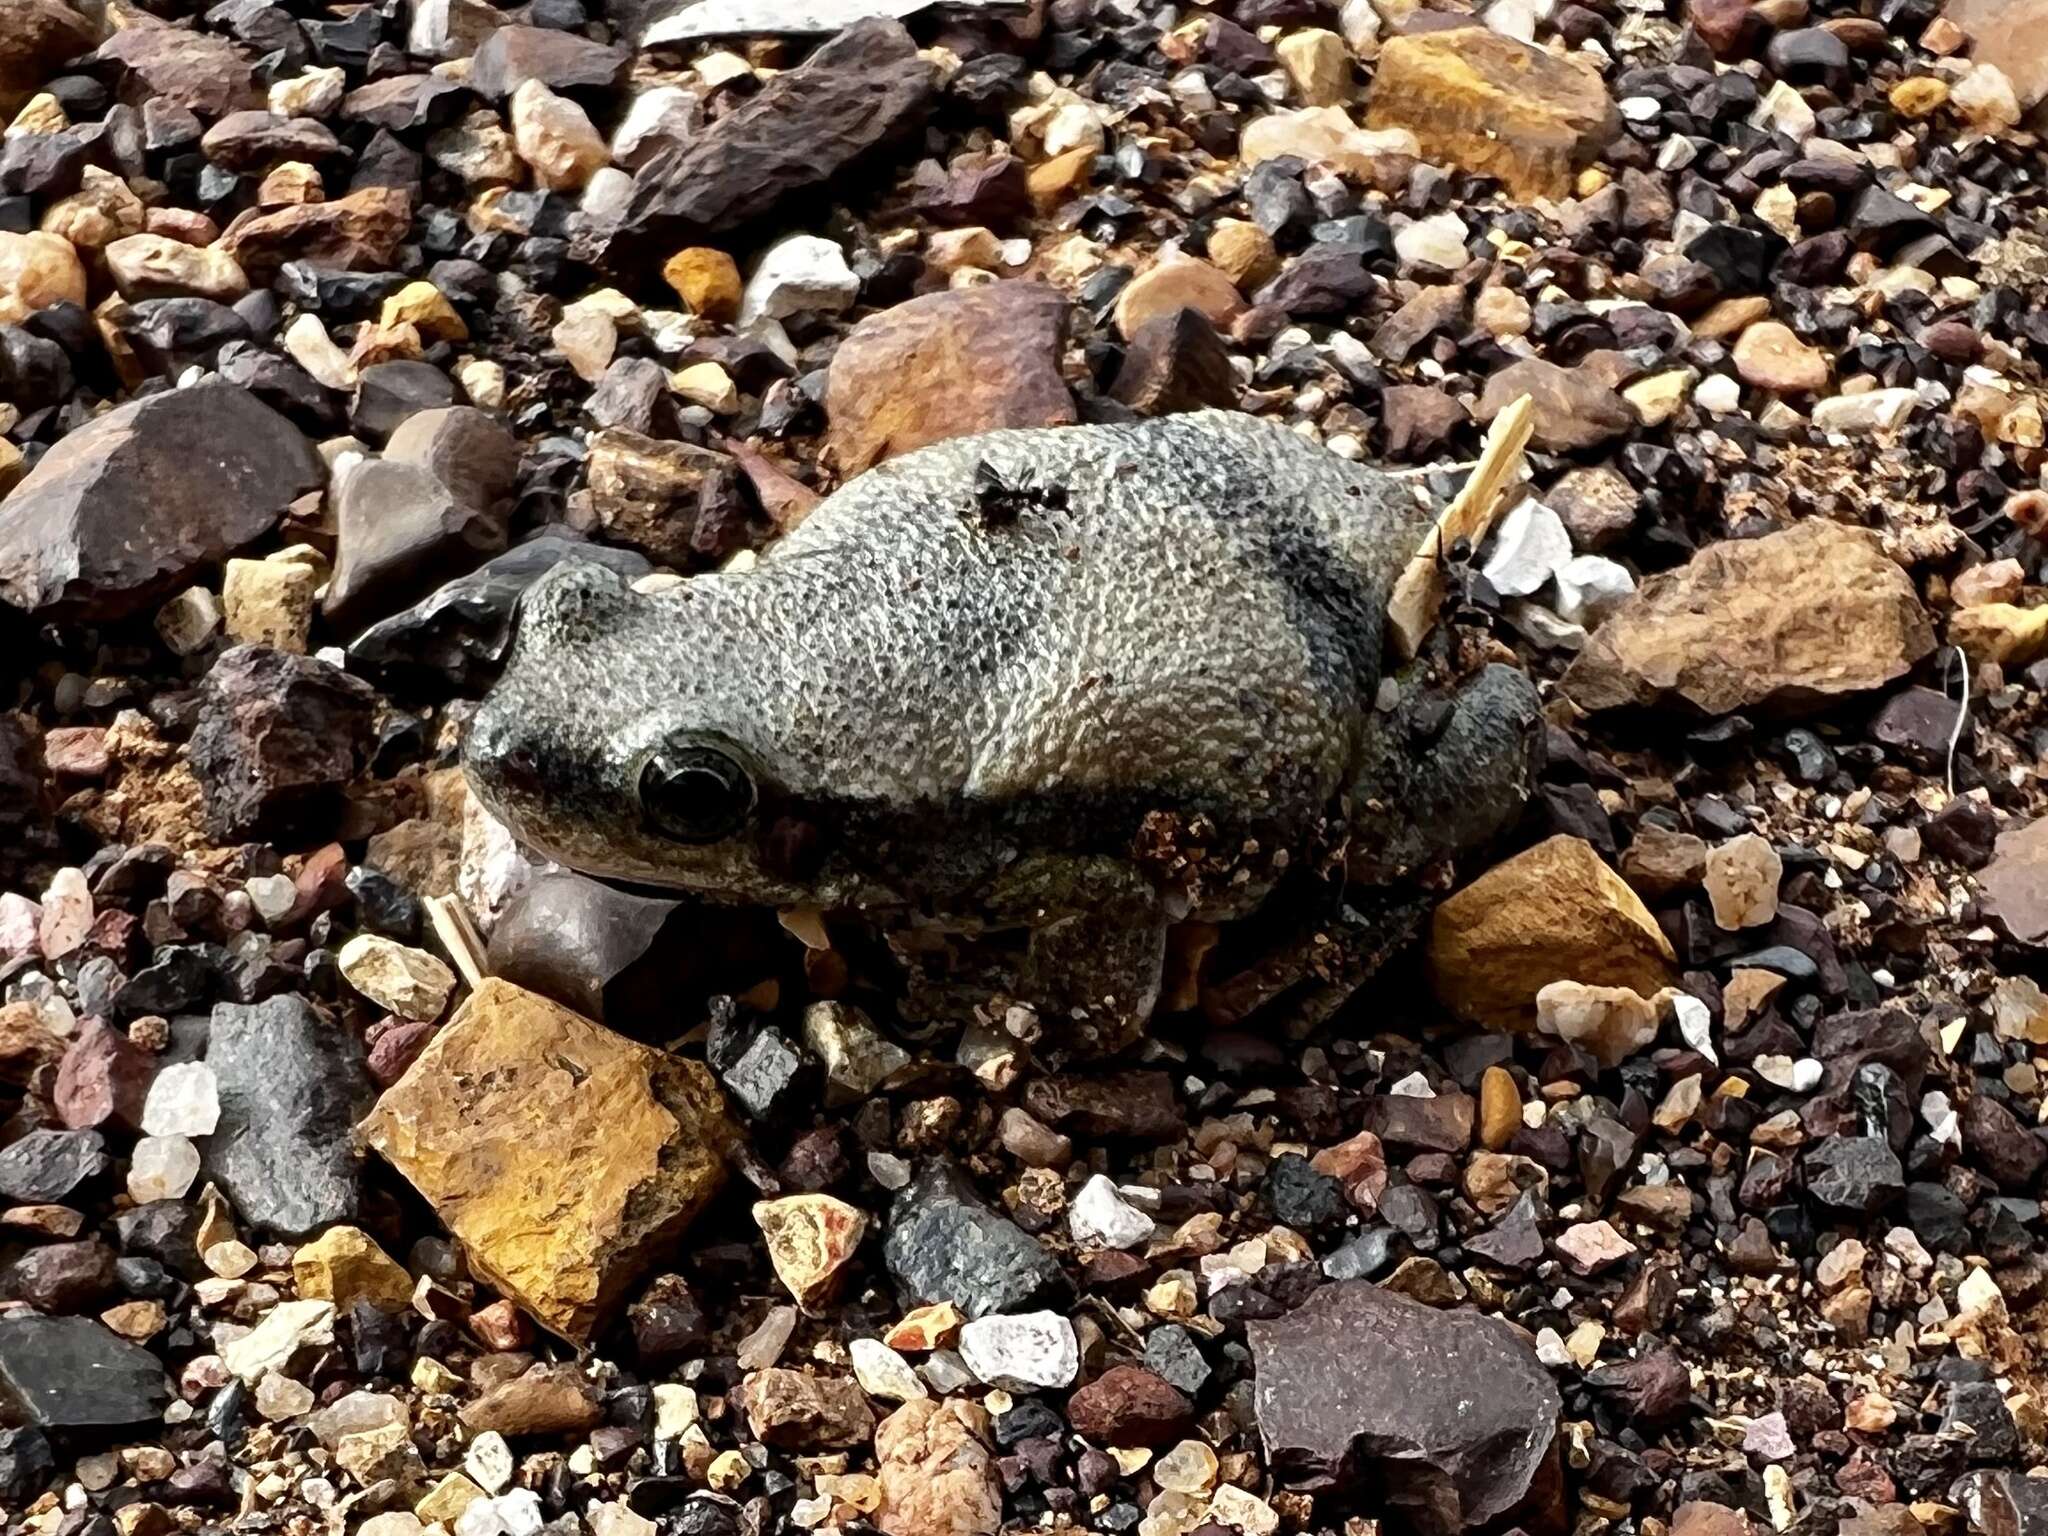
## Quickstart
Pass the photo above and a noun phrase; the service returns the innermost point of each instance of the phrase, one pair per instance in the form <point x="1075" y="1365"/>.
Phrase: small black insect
<point x="999" y="502"/>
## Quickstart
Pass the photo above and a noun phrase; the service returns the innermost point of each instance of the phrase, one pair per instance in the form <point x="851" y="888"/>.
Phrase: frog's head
<point x="627" y="739"/>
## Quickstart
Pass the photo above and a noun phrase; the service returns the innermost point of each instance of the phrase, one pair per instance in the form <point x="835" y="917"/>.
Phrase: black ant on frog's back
<point x="999" y="501"/>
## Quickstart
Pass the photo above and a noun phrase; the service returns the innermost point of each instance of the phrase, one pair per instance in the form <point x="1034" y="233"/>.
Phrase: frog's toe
<point x="1418" y="801"/>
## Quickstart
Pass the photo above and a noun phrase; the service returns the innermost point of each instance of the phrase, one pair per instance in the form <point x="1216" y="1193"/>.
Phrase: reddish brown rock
<point x="798" y="1412"/>
<point x="1572" y="409"/>
<point x="197" y="71"/>
<point x="104" y="1077"/>
<point x="132" y="503"/>
<point x="36" y="36"/>
<point x="967" y="360"/>
<point x="1176" y="362"/>
<point x="546" y="1400"/>
<point x="848" y="103"/>
<point x="357" y="233"/>
<point x="1785" y="623"/>
<point x="1447" y="1410"/>
<point x="1128" y="1405"/>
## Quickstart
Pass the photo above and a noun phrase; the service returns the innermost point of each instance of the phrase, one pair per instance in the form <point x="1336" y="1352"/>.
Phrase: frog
<point x="1037" y="705"/>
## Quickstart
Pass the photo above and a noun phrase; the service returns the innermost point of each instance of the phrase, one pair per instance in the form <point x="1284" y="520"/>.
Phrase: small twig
<point x="457" y="933"/>
<point x="1962" y="713"/>
<point x="1418" y="594"/>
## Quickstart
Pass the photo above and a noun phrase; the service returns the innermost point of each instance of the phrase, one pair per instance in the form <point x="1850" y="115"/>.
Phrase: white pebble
<point x="1100" y="1218"/>
<point x="1023" y="1352"/>
<point x="183" y="1101"/>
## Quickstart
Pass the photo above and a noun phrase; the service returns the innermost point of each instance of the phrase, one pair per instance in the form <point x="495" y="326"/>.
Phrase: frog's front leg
<point x="1080" y="939"/>
<point x="1442" y="775"/>
<point x="1097" y="945"/>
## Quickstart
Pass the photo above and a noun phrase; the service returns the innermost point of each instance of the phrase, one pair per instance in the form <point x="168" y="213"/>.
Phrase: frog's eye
<point x="694" y="793"/>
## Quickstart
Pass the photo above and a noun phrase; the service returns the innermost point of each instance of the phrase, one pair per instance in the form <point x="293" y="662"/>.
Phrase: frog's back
<point x="1190" y="606"/>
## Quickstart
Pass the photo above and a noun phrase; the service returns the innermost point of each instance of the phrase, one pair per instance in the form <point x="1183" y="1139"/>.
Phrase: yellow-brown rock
<point x="425" y="308"/>
<point x="100" y="212"/>
<point x="1052" y="182"/>
<point x="1787" y="622"/>
<point x="344" y="1265"/>
<point x="2005" y="633"/>
<point x="1177" y="282"/>
<point x="810" y="1238"/>
<point x="1553" y="912"/>
<point x="1318" y="66"/>
<point x="37" y="270"/>
<point x="1243" y="252"/>
<point x="1494" y="106"/>
<point x="566" y="1158"/>
<point x="706" y="280"/>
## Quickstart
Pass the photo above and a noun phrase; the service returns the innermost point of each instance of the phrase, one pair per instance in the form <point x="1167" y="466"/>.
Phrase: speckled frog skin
<point x="1073" y="684"/>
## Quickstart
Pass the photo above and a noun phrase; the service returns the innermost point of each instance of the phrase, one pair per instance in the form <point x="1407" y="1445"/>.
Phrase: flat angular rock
<point x="278" y="738"/>
<point x="561" y="61"/>
<point x="46" y="1166"/>
<point x="291" y="1083"/>
<point x="807" y="128"/>
<point x="1446" y="1412"/>
<point x="2015" y="882"/>
<point x="400" y="532"/>
<point x="1554" y="912"/>
<point x="2009" y="35"/>
<point x="567" y="1159"/>
<point x="1176" y="362"/>
<point x="1571" y="409"/>
<point x="194" y="70"/>
<point x="359" y="232"/>
<point x="1785" y="624"/>
<point x="74" y="1373"/>
<point x="945" y="365"/>
<point x="945" y="1244"/>
<point x="1495" y="106"/>
<point x="455" y="639"/>
<point x="139" y="499"/>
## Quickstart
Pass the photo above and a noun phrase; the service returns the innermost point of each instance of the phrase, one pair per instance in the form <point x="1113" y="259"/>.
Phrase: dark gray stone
<point x="278" y="739"/>
<point x="74" y="1373"/>
<point x="25" y="1464"/>
<point x="131" y="504"/>
<point x="292" y="1085"/>
<point x="862" y="91"/>
<point x="1855" y="1173"/>
<point x="456" y="639"/>
<point x="944" y="1244"/>
<point x="45" y="1166"/>
<point x="1446" y="1412"/>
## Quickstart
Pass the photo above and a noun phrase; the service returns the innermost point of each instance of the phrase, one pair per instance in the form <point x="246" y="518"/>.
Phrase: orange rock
<point x="566" y="1158"/>
<point x="1554" y="912"/>
<point x="1494" y="106"/>
<point x="947" y="364"/>
<point x="1174" y="282"/>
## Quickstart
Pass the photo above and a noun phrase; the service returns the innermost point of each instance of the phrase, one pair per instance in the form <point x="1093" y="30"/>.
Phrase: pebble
<point x="1098" y="1217"/>
<point x="1022" y="1352"/>
<point x="799" y="275"/>
<point x="183" y="1101"/>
